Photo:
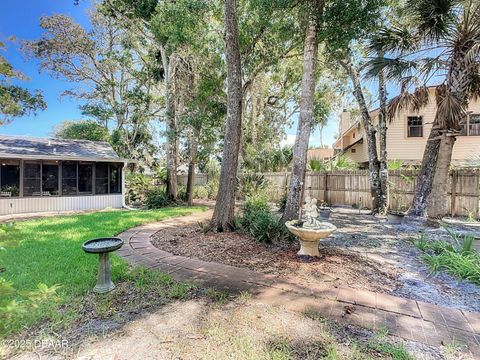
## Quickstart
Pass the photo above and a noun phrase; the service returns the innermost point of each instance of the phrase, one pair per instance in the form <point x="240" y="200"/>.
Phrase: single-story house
<point x="45" y="175"/>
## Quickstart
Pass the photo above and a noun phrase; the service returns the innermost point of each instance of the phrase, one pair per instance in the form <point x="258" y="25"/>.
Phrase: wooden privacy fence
<point x="353" y="188"/>
<point x="200" y="179"/>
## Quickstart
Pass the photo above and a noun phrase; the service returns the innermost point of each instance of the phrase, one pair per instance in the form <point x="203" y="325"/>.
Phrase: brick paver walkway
<point x="409" y="319"/>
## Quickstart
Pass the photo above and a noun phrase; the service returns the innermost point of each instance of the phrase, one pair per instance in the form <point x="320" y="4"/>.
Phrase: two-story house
<point x="407" y="136"/>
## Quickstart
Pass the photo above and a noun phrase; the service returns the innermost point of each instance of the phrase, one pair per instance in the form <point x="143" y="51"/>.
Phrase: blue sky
<point x="21" y="20"/>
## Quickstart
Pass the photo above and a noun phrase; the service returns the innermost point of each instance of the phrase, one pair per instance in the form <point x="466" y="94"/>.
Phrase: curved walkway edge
<point x="409" y="319"/>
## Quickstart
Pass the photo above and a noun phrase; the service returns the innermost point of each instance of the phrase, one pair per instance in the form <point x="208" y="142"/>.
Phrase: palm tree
<point x="450" y="30"/>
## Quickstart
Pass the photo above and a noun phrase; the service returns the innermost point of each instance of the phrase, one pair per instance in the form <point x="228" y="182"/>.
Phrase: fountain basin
<point x="103" y="247"/>
<point x="309" y="237"/>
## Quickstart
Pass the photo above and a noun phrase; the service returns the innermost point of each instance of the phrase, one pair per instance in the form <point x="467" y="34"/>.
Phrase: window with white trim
<point x="415" y="126"/>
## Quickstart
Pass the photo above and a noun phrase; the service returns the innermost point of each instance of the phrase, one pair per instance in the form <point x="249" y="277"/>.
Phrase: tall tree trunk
<point x="437" y="202"/>
<point x="305" y="122"/>
<point x="427" y="172"/>
<point x="191" y="166"/>
<point x="253" y="118"/>
<point x="224" y="213"/>
<point x="370" y="133"/>
<point x="433" y="176"/>
<point x="171" y="127"/>
<point x="321" y="135"/>
<point x="382" y="124"/>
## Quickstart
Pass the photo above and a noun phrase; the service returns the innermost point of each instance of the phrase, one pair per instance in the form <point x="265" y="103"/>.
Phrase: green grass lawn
<point x="48" y="251"/>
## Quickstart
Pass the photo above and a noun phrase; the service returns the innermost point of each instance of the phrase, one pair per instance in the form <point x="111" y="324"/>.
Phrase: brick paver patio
<point x="409" y="319"/>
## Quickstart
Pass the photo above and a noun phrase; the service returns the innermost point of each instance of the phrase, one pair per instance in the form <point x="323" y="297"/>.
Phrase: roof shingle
<point x="46" y="148"/>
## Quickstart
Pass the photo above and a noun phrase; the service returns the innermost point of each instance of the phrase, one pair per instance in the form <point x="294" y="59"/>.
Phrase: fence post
<point x="453" y="197"/>
<point x="325" y="189"/>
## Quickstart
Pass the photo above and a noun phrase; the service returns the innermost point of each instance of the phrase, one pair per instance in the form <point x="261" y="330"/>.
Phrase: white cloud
<point x="290" y="140"/>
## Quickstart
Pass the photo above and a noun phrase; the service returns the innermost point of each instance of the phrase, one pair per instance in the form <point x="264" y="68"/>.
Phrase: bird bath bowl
<point x="103" y="247"/>
<point x="310" y="236"/>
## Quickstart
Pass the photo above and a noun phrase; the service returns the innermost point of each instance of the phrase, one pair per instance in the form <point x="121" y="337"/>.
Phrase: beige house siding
<point x="358" y="153"/>
<point x="410" y="149"/>
<point x="59" y="203"/>
<point x="320" y="154"/>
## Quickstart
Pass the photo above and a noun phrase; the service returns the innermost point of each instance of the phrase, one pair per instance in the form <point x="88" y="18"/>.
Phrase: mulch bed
<point x="334" y="267"/>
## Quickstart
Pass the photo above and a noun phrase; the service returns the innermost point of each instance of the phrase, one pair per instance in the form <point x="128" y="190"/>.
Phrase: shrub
<point x="250" y="184"/>
<point x="212" y="188"/>
<point x="138" y="185"/>
<point x="282" y="202"/>
<point x="201" y="192"/>
<point x="182" y="192"/>
<point x="458" y="259"/>
<point x="259" y="222"/>
<point x="157" y="198"/>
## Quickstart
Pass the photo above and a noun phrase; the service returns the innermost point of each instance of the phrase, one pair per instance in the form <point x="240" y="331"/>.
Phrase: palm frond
<point x="393" y="69"/>
<point x="433" y="18"/>
<point x="413" y="101"/>
<point x="450" y="108"/>
<point x="394" y="39"/>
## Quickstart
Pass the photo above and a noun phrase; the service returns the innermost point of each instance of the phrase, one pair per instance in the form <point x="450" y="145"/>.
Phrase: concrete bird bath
<point x="103" y="247"/>
<point x="309" y="230"/>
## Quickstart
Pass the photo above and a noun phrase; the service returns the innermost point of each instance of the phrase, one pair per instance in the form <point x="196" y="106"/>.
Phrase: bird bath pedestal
<point x="310" y="237"/>
<point x="103" y="247"/>
<point x="309" y="230"/>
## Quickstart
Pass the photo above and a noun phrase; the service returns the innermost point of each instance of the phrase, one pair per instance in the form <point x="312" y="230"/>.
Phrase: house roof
<point x="24" y="147"/>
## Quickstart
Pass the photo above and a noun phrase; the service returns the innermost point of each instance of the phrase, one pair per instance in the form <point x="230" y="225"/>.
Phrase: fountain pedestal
<point x="310" y="231"/>
<point x="103" y="247"/>
<point x="310" y="237"/>
<point x="308" y="247"/>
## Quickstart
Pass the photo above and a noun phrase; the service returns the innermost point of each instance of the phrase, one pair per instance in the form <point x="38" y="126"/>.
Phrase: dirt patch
<point x="365" y="252"/>
<point x="335" y="266"/>
<point x="240" y="330"/>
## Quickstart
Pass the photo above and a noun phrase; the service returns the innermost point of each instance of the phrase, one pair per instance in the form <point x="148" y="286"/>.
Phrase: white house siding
<point x="62" y="203"/>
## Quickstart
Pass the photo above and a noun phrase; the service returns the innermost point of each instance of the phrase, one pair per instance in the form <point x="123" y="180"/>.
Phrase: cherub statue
<point x="310" y="213"/>
<point x="306" y="208"/>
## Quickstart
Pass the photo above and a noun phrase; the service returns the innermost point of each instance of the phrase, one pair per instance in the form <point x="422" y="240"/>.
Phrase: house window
<point x="69" y="178"/>
<point x="474" y="125"/>
<point x="354" y="151"/>
<point x="101" y="178"/>
<point x="50" y="178"/>
<point x="415" y="126"/>
<point x="10" y="178"/>
<point x="32" y="178"/>
<point x="85" y="173"/>
<point x="115" y="178"/>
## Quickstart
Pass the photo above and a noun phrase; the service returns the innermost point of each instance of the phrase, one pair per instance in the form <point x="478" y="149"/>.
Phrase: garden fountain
<point x="309" y="230"/>
<point x="103" y="247"/>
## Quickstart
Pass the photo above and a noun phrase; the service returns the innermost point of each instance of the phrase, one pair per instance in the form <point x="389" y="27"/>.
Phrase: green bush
<point x="157" y="198"/>
<point x="201" y="192"/>
<point x="260" y="223"/>
<point x="282" y="202"/>
<point x="138" y="185"/>
<point x="458" y="259"/>
<point x="250" y="184"/>
<point x="212" y="188"/>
